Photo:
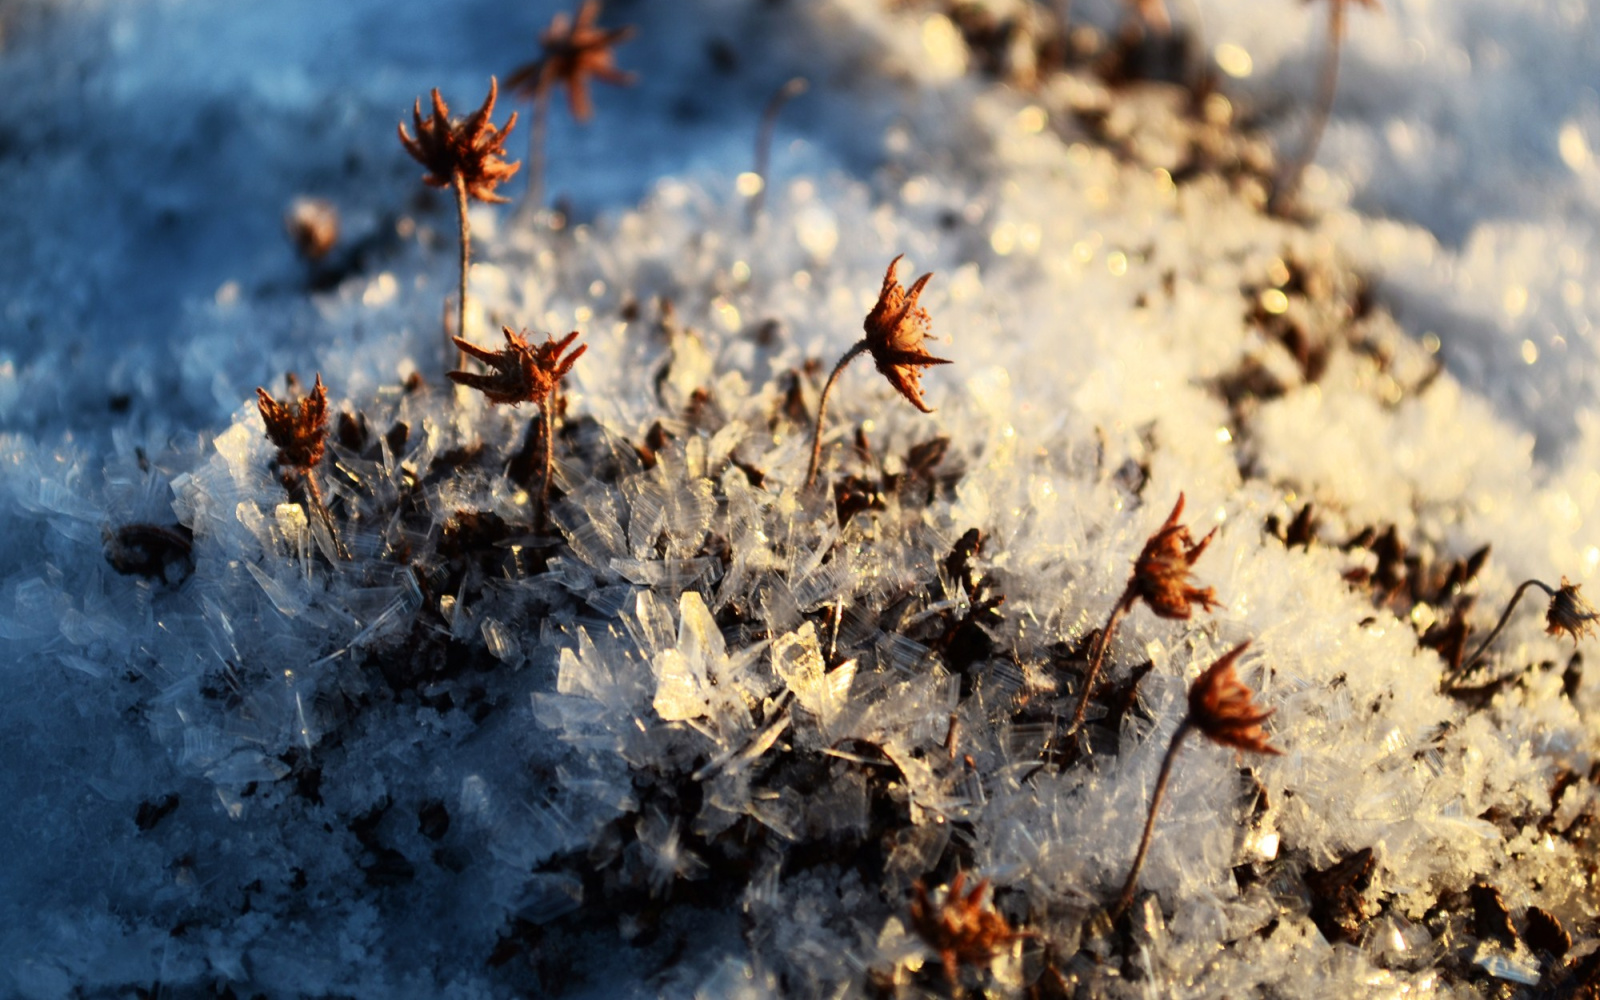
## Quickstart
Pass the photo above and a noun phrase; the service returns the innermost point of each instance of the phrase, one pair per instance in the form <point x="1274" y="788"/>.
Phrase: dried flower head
<point x="896" y="327"/>
<point x="961" y="929"/>
<point x="472" y="148"/>
<point x="1161" y="573"/>
<point x="313" y="226"/>
<point x="574" y="50"/>
<point x="299" y="428"/>
<point x="1223" y="708"/>
<point x="1569" y="613"/>
<point x="522" y="373"/>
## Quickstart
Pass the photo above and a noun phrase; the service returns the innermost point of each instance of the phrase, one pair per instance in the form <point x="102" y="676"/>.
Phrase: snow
<point x="701" y="733"/>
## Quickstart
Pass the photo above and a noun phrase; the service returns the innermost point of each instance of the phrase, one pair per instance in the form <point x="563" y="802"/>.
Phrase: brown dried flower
<point x="313" y="227"/>
<point x="299" y="428"/>
<point x="961" y="929"/>
<point x="574" y="50"/>
<point x="896" y="327"/>
<point x="1569" y="613"/>
<point x="1222" y="707"/>
<point x="522" y="373"/>
<point x="1161" y="573"/>
<point x="472" y="148"/>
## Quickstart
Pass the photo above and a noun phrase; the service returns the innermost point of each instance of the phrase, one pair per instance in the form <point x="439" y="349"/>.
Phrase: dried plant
<point x="573" y="49"/>
<point x="896" y="328"/>
<point x="1161" y="579"/>
<point x="1568" y="613"/>
<point x="523" y="373"/>
<point x="313" y="227"/>
<point x="299" y="429"/>
<point x="769" y="121"/>
<point x="467" y="155"/>
<point x="961" y="929"/>
<point x="1327" y="88"/>
<point x="1223" y="709"/>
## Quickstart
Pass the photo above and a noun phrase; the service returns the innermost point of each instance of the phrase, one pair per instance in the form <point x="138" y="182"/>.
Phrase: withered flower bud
<point x="1222" y="707"/>
<point x="299" y="427"/>
<point x="896" y="328"/>
<point x="1569" y="613"/>
<point x="522" y="373"/>
<point x="961" y="929"/>
<point x="1161" y="573"/>
<point x="473" y="148"/>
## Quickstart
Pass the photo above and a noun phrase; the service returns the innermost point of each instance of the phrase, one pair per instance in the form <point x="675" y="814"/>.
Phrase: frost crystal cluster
<point x="689" y="728"/>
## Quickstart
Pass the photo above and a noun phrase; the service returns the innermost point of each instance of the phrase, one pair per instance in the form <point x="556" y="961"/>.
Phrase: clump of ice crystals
<point x="706" y="732"/>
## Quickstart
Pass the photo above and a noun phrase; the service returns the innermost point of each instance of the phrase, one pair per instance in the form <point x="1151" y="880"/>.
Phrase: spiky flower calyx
<point x="522" y="373"/>
<point x="574" y="50"/>
<point x="896" y="328"/>
<point x="961" y="929"/>
<point x="1161" y="573"/>
<point x="471" y="148"/>
<point x="298" y="427"/>
<point x="1570" y="613"/>
<point x="1223" y="707"/>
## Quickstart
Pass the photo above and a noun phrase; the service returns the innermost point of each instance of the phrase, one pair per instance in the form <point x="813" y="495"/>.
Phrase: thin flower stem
<point x="1505" y="617"/>
<point x="1327" y="87"/>
<point x="1184" y="728"/>
<point x="319" y="509"/>
<point x="460" y="184"/>
<point x="822" y="408"/>
<point x="533" y="200"/>
<point x="769" y="121"/>
<point x="1097" y="655"/>
<point x="547" y="415"/>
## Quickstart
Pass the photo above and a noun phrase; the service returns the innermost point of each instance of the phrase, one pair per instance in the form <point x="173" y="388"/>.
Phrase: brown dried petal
<point x="962" y="930"/>
<point x="574" y="50"/>
<point x="896" y="328"/>
<point x="1161" y="573"/>
<point x="1223" y="708"/>
<point x="1569" y="613"/>
<point x="473" y="149"/>
<point x="521" y="372"/>
<point x="299" y="428"/>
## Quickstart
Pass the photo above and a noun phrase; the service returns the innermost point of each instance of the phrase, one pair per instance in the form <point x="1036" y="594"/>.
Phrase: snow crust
<point x="701" y="736"/>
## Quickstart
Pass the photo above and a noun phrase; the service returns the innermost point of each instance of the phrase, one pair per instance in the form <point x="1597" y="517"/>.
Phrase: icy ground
<point x="703" y="735"/>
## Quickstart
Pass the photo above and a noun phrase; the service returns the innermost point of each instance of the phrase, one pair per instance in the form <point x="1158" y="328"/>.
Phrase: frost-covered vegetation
<point x="365" y="720"/>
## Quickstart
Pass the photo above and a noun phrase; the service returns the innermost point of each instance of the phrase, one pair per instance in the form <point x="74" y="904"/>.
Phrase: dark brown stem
<point x="1128" y="887"/>
<point x="769" y="121"/>
<point x="1505" y="617"/>
<point x="822" y="409"/>
<point x="318" y="509"/>
<point x="547" y="414"/>
<point x="1328" y="85"/>
<point x="460" y="184"/>
<point x="1097" y="654"/>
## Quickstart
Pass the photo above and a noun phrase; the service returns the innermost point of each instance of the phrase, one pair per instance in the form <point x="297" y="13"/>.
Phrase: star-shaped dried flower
<point x="472" y="148"/>
<point x="299" y="428"/>
<point x="522" y="373"/>
<point x="961" y="929"/>
<point x="1569" y="613"/>
<point x="574" y="50"/>
<point x="896" y="327"/>
<point x="1161" y="573"/>
<point x="1223" y="708"/>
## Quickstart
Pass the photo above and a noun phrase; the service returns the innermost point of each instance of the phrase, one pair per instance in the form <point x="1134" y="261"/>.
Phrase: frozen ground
<point x="697" y="739"/>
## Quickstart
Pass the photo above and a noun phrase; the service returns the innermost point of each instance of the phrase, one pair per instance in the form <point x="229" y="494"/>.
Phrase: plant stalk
<point x="1327" y="87"/>
<point x="1505" y="617"/>
<point x="1097" y="655"/>
<point x="1128" y="887"/>
<point x="547" y="460"/>
<point x="460" y="184"/>
<point x="822" y="408"/>
<point x="769" y="121"/>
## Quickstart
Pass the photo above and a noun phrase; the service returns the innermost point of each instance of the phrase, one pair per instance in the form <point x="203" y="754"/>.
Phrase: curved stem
<point x="1128" y="887"/>
<point x="822" y="409"/>
<point x="769" y="121"/>
<point x="1505" y="617"/>
<point x="460" y="184"/>
<point x="547" y="414"/>
<point x="1097" y="655"/>
<point x="1328" y="85"/>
